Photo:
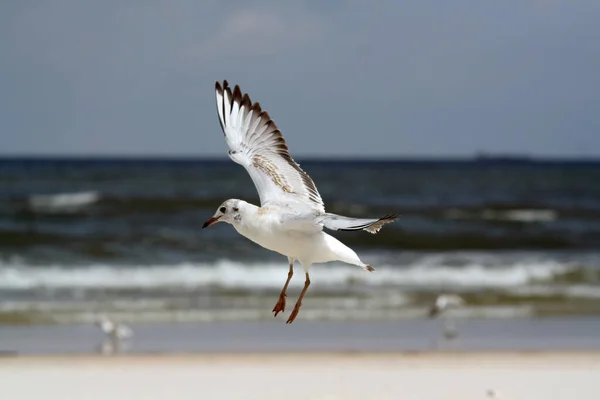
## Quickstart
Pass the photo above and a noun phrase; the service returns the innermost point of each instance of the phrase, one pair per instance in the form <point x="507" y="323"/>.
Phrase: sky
<point x="340" y="78"/>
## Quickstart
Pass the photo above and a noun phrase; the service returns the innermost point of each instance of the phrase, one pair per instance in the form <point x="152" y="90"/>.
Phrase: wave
<point x="62" y="202"/>
<point x="493" y="286"/>
<point x="170" y="203"/>
<point x="517" y="215"/>
<point x="590" y="291"/>
<point x="425" y="273"/>
<point x="97" y="244"/>
<point x="98" y="222"/>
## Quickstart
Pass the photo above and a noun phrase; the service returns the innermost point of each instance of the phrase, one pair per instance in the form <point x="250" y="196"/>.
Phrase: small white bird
<point x="443" y="303"/>
<point x="291" y="217"/>
<point x="114" y="330"/>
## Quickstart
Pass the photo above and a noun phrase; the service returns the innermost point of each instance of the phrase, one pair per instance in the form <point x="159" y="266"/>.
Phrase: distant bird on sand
<point x="291" y="217"/>
<point x="115" y="333"/>
<point x="443" y="303"/>
<point x="114" y="330"/>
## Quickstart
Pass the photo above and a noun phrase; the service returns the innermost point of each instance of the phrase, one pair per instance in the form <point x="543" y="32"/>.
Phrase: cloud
<point x="256" y="33"/>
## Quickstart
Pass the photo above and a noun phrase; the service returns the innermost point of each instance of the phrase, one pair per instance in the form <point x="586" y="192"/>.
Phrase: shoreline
<point x="592" y="354"/>
<point x="404" y="336"/>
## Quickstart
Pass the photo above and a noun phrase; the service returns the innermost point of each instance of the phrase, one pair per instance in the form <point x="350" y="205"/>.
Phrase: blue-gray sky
<point x="390" y="78"/>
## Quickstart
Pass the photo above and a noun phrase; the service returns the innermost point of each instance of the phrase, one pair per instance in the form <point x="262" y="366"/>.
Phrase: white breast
<point x="270" y="234"/>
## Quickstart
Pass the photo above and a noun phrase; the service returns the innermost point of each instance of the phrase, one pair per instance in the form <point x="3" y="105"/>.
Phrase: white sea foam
<point x="519" y="215"/>
<point x="585" y="291"/>
<point x="524" y="215"/>
<point x="427" y="272"/>
<point x="62" y="202"/>
<point x="588" y="291"/>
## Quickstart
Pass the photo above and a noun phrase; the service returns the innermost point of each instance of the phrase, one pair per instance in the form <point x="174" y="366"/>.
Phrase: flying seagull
<point x="291" y="216"/>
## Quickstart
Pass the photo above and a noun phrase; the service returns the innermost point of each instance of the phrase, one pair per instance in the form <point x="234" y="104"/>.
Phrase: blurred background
<point x="476" y="121"/>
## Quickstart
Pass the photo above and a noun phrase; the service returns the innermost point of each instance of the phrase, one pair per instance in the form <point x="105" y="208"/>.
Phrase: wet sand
<point x="315" y="375"/>
<point x="544" y="334"/>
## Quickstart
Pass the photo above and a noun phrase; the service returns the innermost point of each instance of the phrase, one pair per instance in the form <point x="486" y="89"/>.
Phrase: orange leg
<point x="296" y="309"/>
<point x="280" y="306"/>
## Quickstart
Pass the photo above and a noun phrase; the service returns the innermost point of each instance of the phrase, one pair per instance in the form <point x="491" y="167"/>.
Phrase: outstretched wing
<point x="341" y="223"/>
<point x="256" y="143"/>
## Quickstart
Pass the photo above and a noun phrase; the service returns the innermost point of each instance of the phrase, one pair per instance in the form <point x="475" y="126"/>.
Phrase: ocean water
<point x="515" y="238"/>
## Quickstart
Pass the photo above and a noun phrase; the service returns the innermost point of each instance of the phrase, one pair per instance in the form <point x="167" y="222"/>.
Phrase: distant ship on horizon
<point x="487" y="157"/>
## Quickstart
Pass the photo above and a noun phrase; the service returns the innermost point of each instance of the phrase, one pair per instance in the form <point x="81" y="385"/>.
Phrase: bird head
<point x="228" y="211"/>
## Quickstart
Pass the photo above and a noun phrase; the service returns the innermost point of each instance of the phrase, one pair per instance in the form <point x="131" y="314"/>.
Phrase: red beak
<point x="210" y="222"/>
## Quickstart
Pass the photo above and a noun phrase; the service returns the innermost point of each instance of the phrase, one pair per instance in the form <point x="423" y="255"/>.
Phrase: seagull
<point x="291" y="215"/>
<point x="442" y="303"/>
<point x="114" y="330"/>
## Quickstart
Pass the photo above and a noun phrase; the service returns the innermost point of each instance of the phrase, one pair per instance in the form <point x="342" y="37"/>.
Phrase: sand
<point x="407" y="376"/>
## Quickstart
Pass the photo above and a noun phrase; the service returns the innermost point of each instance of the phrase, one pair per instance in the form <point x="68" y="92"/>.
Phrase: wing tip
<point x="391" y="217"/>
<point x="221" y="88"/>
<point x="386" y="219"/>
<point x="221" y="92"/>
<point x="266" y="116"/>
<point x="246" y="102"/>
<point x="237" y="94"/>
<point x="256" y="108"/>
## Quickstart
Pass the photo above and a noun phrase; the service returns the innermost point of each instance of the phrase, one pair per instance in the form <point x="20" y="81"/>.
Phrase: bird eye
<point x="235" y="209"/>
<point x="222" y="209"/>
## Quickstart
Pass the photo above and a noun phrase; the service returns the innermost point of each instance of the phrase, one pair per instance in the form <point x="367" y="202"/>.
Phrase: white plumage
<point x="444" y="302"/>
<point x="114" y="330"/>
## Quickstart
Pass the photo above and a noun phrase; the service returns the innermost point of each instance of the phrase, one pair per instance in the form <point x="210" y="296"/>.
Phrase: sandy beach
<point x="410" y="376"/>
<point x="524" y="359"/>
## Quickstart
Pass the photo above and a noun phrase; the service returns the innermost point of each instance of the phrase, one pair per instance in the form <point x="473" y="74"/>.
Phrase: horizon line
<point x="509" y="157"/>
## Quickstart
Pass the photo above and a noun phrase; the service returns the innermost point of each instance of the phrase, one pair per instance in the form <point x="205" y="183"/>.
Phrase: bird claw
<point x="280" y="306"/>
<point x="294" y="314"/>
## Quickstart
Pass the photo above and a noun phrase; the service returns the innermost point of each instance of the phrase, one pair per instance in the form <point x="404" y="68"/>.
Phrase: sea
<point x="122" y="236"/>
